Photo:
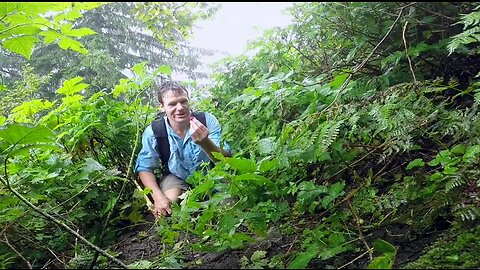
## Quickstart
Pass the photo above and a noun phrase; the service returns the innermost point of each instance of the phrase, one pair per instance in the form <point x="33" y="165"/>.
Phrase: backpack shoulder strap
<point x="160" y="133"/>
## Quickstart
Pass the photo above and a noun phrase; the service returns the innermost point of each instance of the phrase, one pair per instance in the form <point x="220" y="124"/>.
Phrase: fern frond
<point x="468" y="35"/>
<point x="331" y="134"/>
<point x="453" y="182"/>
<point x="471" y="18"/>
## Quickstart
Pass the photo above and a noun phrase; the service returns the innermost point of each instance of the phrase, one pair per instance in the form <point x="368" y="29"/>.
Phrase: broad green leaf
<point x="204" y="186"/>
<point x="383" y="246"/>
<point x="7" y="8"/>
<point x="303" y="258"/>
<point x="338" y="80"/>
<point x="42" y="22"/>
<point x="241" y="164"/>
<point x="71" y="86"/>
<point x="136" y="217"/>
<point x="36" y="9"/>
<point x="92" y="165"/>
<point x="16" y="134"/>
<point x="50" y="36"/>
<point x="24" y="30"/>
<point x="471" y="153"/>
<point x="22" y="45"/>
<point x="258" y="254"/>
<point x="24" y="150"/>
<point x="17" y="19"/>
<point x="443" y="157"/>
<point x="72" y="100"/>
<point x="436" y="176"/>
<point x="266" y="146"/>
<point x="25" y="112"/>
<point x="65" y="28"/>
<point x="72" y="15"/>
<point x="228" y="224"/>
<point x="415" y="163"/>
<point x="68" y="43"/>
<point x="330" y="252"/>
<point x="327" y="200"/>
<point x="119" y="89"/>
<point x="29" y="108"/>
<point x="266" y="165"/>
<point x="206" y="216"/>
<point x="257" y="179"/>
<point x="140" y="68"/>
<point x="80" y="32"/>
<point x="219" y="156"/>
<point x="384" y="261"/>
<point x="18" y="139"/>
<point x="2" y="119"/>
<point x="164" y="69"/>
<point x="336" y="189"/>
<point x="452" y="258"/>
<point x="458" y="149"/>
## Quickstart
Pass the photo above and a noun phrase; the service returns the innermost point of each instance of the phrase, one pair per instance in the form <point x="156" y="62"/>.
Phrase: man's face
<point x="177" y="107"/>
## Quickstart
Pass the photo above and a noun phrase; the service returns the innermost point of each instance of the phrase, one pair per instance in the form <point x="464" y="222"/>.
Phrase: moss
<point x="450" y="252"/>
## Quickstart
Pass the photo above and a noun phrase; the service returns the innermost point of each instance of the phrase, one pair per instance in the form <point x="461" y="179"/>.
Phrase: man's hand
<point x="198" y="131"/>
<point x="162" y="207"/>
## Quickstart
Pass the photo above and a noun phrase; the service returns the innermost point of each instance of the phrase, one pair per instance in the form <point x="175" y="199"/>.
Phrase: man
<point x="191" y="143"/>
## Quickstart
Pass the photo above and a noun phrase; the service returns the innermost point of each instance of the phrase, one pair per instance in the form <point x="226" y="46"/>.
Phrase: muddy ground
<point x="142" y="243"/>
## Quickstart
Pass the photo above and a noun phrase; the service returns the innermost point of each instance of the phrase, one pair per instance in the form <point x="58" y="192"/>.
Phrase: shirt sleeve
<point x="215" y="131"/>
<point x="148" y="158"/>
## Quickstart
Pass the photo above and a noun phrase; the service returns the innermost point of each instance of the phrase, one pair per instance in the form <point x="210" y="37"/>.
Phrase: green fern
<point x="468" y="35"/>
<point x="453" y="182"/>
<point x="331" y="134"/>
<point x="467" y="212"/>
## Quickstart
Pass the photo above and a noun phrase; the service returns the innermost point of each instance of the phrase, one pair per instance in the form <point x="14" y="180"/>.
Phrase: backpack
<point x="160" y="133"/>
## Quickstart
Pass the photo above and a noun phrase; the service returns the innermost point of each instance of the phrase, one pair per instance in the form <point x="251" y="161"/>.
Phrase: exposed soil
<point x="143" y="243"/>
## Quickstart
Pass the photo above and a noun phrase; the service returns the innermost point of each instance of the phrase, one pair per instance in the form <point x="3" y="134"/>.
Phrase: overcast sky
<point x="236" y="23"/>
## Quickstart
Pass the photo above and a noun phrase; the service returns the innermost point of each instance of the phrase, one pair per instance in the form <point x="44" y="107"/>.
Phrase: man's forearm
<point x="149" y="180"/>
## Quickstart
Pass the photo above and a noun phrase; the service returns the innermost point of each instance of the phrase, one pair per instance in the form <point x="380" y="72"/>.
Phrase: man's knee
<point x="173" y="194"/>
<point x="173" y="187"/>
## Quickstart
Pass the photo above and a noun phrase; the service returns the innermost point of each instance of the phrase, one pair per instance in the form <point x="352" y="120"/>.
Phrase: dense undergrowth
<point x="355" y="132"/>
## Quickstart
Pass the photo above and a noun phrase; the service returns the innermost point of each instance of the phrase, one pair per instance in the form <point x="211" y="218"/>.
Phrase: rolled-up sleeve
<point x="215" y="131"/>
<point x="148" y="158"/>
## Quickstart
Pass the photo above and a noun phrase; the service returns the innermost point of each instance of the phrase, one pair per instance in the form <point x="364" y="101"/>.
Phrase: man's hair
<point x="173" y="86"/>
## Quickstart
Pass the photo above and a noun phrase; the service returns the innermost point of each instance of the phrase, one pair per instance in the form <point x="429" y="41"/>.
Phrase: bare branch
<point x="406" y="52"/>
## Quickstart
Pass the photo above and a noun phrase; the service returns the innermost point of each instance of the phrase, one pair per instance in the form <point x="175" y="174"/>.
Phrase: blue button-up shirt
<point x="185" y="155"/>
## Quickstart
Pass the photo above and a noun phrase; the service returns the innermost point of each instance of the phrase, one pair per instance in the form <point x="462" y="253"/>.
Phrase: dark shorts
<point x="171" y="181"/>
